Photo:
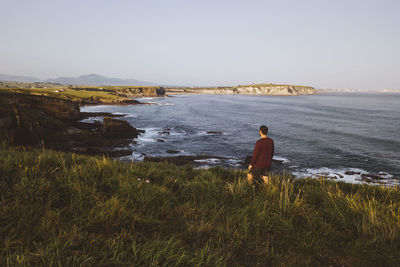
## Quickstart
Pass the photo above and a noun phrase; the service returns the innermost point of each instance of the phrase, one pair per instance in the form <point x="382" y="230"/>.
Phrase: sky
<point x="322" y="43"/>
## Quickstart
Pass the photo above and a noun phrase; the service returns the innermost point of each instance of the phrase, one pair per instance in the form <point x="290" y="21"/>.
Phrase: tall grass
<point x="62" y="209"/>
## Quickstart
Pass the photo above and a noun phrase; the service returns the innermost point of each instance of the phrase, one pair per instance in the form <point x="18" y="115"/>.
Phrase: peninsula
<point x="253" y="89"/>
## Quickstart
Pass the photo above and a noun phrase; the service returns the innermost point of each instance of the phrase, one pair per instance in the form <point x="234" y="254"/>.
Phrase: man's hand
<point x="250" y="167"/>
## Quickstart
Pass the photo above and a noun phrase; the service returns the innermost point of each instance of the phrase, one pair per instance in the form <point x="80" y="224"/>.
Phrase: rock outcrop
<point x="35" y="120"/>
<point x="24" y="118"/>
<point x="59" y="108"/>
<point x="150" y="91"/>
<point x="119" y="129"/>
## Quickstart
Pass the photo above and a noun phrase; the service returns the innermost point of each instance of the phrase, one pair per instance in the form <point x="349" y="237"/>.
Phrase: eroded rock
<point x="172" y="151"/>
<point x="35" y="120"/>
<point x="119" y="129"/>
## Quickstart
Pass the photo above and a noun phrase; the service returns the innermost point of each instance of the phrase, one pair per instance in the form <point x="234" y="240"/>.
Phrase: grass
<point x="63" y="209"/>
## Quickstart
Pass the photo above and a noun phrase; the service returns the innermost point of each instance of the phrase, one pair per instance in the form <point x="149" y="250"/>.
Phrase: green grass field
<point x="63" y="209"/>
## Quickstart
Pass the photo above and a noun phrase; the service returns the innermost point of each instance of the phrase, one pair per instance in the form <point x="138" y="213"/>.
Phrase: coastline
<point x="256" y="89"/>
<point x="90" y="138"/>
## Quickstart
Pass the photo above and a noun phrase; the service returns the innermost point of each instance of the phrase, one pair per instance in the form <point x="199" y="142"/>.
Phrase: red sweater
<point x="263" y="153"/>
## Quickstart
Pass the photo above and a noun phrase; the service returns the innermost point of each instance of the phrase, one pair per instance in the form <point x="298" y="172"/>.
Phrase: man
<point x="262" y="157"/>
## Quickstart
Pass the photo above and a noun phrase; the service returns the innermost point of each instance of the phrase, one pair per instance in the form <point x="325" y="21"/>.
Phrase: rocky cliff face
<point x="35" y="120"/>
<point x="275" y="90"/>
<point x="23" y="118"/>
<point x="248" y="90"/>
<point x="118" y="128"/>
<point x="59" y="108"/>
<point x="142" y="91"/>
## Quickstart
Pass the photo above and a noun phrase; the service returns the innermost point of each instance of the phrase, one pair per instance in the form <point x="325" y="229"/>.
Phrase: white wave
<point x="281" y="159"/>
<point x="385" y="175"/>
<point x="208" y="161"/>
<point x="205" y="133"/>
<point x="92" y="119"/>
<point x="137" y="157"/>
<point x="180" y="133"/>
<point x="130" y="116"/>
<point x="159" y="104"/>
<point x="349" y="175"/>
<point x="150" y="135"/>
<point x="236" y="163"/>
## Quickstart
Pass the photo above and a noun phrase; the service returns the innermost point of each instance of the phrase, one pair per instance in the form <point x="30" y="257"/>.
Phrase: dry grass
<point x="62" y="209"/>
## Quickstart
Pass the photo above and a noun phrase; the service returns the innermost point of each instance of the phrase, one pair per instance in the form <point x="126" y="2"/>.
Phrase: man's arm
<point x="256" y="152"/>
<point x="273" y="147"/>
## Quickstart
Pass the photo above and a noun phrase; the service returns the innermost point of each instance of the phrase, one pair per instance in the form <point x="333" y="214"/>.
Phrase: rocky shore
<point x="197" y="160"/>
<point x="36" y="120"/>
<point x="56" y="123"/>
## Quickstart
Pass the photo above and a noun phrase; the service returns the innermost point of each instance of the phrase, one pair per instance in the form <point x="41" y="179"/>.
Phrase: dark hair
<point x="264" y="129"/>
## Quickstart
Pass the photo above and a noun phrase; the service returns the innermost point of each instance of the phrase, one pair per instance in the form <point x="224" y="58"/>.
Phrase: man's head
<point x="263" y="130"/>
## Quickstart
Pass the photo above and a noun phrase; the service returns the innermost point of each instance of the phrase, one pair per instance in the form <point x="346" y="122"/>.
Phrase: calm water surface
<point x="316" y="134"/>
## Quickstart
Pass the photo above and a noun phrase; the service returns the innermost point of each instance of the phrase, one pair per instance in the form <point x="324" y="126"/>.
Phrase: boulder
<point x="372" y="177"/>
<point x="119" y="129"/>
<point x="352" y="173"/>
<point x="172" y="151"/>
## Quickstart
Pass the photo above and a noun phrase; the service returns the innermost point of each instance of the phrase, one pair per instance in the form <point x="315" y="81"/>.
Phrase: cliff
<point x="23" y="118"/>
<point x="257" y="89"/>
<point x="36" y="120"/>
<point x="110" y="95"/>
<point x="141" y="91"/>
<point x="116" y="94"/>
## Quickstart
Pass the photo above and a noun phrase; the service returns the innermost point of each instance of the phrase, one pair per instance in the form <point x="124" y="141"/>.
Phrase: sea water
<point x="314" y="135"/>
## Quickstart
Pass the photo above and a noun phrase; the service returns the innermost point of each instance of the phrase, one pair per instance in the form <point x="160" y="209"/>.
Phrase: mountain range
<point x="90" y="79"/>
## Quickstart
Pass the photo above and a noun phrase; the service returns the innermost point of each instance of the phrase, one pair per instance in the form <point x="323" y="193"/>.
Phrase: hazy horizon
<point x="336" y="44"/>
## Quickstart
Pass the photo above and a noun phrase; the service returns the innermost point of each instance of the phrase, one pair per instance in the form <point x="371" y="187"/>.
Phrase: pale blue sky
<point x="352" y="43"/>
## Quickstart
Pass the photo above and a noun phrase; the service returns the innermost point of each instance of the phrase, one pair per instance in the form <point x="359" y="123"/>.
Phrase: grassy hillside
<point x="59" y="209"/>
<point x="91" y="94"/>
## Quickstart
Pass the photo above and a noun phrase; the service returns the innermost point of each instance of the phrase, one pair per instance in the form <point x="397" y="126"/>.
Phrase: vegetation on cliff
<point x="68" y="210"/>
<point x="93" y="95"/>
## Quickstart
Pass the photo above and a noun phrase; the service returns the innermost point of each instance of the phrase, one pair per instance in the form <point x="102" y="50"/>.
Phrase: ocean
<point x="339" y="135"/>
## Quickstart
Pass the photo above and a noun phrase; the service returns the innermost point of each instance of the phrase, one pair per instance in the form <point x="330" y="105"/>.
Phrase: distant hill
<point x="15" y="78"/>
<point x="90" y="79"/>
<point x="97" y="80"/>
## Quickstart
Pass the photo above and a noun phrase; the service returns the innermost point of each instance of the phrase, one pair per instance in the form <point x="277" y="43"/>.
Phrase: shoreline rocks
<point x="172" y="151"/>
<point x="36" y="120"/>
<point x="181" y="160"/>
<point x="119" y="129"/>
